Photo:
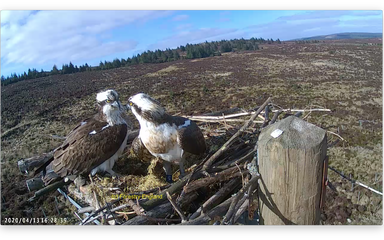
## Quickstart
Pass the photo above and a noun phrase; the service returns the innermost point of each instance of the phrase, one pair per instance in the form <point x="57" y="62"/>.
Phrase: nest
<point x="220" y="188"/>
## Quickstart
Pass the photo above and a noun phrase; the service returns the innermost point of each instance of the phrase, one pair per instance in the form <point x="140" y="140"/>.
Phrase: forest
<point x="189" y="51"/>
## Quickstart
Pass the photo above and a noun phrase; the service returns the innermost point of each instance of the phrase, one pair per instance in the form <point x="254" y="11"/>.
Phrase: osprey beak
<point x="115" y="104"/>
<point x="128" y="107"/>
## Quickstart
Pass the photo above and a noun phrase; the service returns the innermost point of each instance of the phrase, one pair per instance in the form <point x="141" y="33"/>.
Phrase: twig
<point x="239" y="195"/>
<point x="75" y="204"/>
<point x="337" y="135"/>
<point x="242" y="176"/>
<point x="85" y="209"/>
<point x="304" y="110"/>
<point x="266" y="114"/>
<point x="275" y="116"/>
<point x="219" y="177"/>
<point x="218" y="113"/>
<point x="298" y="114"/>
<point x="222" y="120"/>
<point x="125" y="213"/>
<point x="237" y="207"/>
<point x="217" y="197"/>
<point x="241" y="210"/>
<point x="224" y="117"/>
<point x="50" y="188"/>
<point x="305" y="117"/>
<point x="236" y="161"/>
<point x="196" y="118"/>
<point x="177" y="209"/>
<point x="85" y="220"/>
<point x="190" y="177"/>
<point x="209" y="162"/>
<point x="160" y="211"/>
<point x="94" y="193"/>
<point x="211" y="215"/>
<point x="136" y="207"/>
<point x="152" y="219"/>
<point x="253" y="112"/>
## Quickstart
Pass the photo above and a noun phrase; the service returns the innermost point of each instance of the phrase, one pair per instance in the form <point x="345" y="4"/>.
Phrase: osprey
<point x="93" y="145"/>
<point x="166" y="136"/>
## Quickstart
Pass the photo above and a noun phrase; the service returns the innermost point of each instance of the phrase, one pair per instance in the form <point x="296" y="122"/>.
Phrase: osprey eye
<point x="108" y="101"/>
<point x="130" y="104"/>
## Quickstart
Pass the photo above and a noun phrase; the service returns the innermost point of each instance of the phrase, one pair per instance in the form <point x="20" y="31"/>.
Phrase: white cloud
<point x="286" y="30"/>
<point x="13" y="16"/>
<point x="183" y="27"/>
<point x="180" y="18"/>
<point x="312" y="15"/>
<point x="314" y="23"/>
<point x="62" y="36"/>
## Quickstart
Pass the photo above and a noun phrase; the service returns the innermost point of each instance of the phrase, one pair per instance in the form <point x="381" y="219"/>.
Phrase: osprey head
<point x="143" y="106"/>
<point x="110" y="105"/>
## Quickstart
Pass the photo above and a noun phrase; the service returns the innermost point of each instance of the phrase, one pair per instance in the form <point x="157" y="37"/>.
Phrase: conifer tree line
<point x="189" y="51"/>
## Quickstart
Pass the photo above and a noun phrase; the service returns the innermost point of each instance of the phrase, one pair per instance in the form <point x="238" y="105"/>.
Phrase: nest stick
<point x="218" y="211"/>
<point x="275" y="116"/>
<point x="236" y="199"/>
<point x="223" y="117"/>
<point x="177" y="209"/>
<point x="219" y="177"/>
<point x="136" y="207"/>
<point x="241" y="210"/>
<point x="210" y="161"/>
<point x="196" y="118"/>
<point x="217" y="197"/>
<point x="50" y="188"/>
<point x="222" y="120"/>
<point x="236" y="161"/>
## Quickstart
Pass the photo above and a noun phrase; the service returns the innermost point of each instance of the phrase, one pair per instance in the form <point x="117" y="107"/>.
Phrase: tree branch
<point x="210" y="161"/>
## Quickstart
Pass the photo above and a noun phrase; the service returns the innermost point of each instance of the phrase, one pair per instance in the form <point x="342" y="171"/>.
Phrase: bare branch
<point x="177" y="209"/>
<point x="209" y="162"/>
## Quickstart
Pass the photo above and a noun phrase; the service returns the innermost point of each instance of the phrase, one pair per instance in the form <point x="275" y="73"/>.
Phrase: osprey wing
<point x="140" y="151"/>
<point x="90" y="144"/>
<point x="190" y="137"/>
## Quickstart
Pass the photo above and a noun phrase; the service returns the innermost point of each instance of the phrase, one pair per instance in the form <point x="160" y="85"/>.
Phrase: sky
<point x="40" y="39"/>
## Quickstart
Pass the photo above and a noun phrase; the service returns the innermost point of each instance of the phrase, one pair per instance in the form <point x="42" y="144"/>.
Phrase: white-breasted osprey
<point x="93" y="145"/>
<point x="166" y="136"/>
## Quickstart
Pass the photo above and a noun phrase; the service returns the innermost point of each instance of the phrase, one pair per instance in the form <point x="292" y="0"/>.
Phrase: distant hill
<point x="351" y="35"/>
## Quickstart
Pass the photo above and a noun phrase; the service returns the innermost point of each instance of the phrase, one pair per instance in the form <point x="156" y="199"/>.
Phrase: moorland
<point x="342" y="75"/>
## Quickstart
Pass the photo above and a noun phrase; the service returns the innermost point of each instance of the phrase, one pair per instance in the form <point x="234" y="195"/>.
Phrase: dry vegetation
<point x="344" y="76"/>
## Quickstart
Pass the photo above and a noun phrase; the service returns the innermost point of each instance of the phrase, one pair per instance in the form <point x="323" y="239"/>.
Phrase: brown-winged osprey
<point x="166" y="136"/>
<point x="93" y="145"/>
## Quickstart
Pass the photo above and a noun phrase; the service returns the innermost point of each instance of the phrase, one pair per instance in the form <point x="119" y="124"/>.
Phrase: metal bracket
<point x="324" y="182"/>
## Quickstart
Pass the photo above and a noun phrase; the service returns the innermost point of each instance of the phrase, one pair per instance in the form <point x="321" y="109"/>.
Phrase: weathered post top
<point x="297" y="133"/>
<point x="290" y="156"/>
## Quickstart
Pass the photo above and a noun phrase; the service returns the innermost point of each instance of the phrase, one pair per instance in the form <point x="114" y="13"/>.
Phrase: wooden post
<point x="291" y="154"/>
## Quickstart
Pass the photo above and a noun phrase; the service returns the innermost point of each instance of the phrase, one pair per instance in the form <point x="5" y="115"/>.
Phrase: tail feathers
<point x="50" y="177"/>
<point x="43" y="168"/>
